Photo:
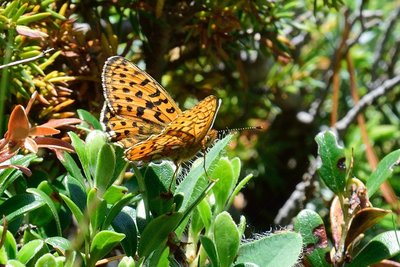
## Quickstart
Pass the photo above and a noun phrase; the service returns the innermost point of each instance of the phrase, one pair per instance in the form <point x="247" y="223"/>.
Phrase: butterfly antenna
<point x="223" y="133"/>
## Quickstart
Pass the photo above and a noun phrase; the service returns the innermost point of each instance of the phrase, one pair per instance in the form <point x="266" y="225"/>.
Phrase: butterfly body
<point x="140" y="116"/>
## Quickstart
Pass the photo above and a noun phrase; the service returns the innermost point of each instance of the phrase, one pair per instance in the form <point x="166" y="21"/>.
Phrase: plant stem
<point x="5" y="74"/>
<point x="143" y="191"/>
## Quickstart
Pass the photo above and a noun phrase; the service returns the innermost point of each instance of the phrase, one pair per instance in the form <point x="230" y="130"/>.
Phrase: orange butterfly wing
<point x="141" y="116"/>
<point x="182" y="138"/>
<point x="136" y="105"/>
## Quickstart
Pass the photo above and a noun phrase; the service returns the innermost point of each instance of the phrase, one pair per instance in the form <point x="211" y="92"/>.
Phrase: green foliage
<point x="280" y="249"/>
<point x="292" y="67"/>
<point x="351" y="213"/>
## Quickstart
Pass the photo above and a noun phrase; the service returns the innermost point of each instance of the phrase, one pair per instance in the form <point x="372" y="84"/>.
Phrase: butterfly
<point x="141" y="117"/>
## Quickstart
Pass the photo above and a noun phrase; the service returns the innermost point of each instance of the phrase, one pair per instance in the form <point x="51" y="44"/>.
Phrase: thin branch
<point x="394" y="56"/>
<point x="366" y="100"/>
<point x="381" y="43"/>
<point x="26" y="60"/>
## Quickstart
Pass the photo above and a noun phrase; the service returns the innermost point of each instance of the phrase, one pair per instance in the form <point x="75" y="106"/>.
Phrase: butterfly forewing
<point x="137" y="106"/>
<point x="131" y="92"/>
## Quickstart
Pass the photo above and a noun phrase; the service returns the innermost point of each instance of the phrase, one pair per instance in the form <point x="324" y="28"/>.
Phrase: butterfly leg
<point x="204" y="165"/>
<point x="173" y="180"/>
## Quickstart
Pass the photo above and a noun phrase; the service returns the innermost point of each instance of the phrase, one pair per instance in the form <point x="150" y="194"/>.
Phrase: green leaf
<point x="76" y="192"/>
<point x="9" y="244"/>
<point x="115" y="209"/>
<point x="74" y="259"/>
<point x="333" y="168"/>
<point x="192" y="187"/>
<point x="157" y="178"/>
<point x="44" y="215"/>
<point x="97" y="208"/>
<point x="26" y="19"/>
<point x="102" y="244"/>
<point x="80" y="150"/>
<point x="30" y="250"/>
<point x="205" y="213"/>
<point x="50" y="204"/>
<point x="59" y="243"/>
<point x="20" y="204"/>
<point x="307" y="223"/>
<point x="160" y="259"/>
<point x="281" y="249"/>
<point x="224" y="174"/>
<point x="226" y="238"/>
<point x="237" y="189"/>
<point x="127" y="262"/>
<point x="73" y="208"/>
<point x="9" y="175"/>
<point x="47" y="260"/>
<point x="15" y="263"/>
<point x="104" y="167"/>
<point x="210" y="249"/>
<point x="312" y="229"/>
<point x="89" y="118"/>
<point x="95" y="140"/>
<point x="124" y="223"/>
<point x="156" y="233"/>
<point x="120" y="163"/>
<point x="381" y="247"/>
<point x="115" y="193"/>
<point x="69" y="163"/>
<point x="383" y="171"/>
<point x="236" y="167"/>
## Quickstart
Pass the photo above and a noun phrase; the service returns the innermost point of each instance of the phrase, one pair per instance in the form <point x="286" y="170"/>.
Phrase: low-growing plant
<point x="351" y="212"/>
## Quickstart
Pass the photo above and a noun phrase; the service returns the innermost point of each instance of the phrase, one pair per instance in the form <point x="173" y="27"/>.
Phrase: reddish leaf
<point x="25" y="170"/>
<point x="42" y="130"/>
<point x="31" y="145"/>
<point x="33" y="33"/>
<point x="54" y="143"/>
<point x="61" y="122"/>
<point x="362" y="221"/>
<point x="336" y="217"/>
<point x="18" y="125"/>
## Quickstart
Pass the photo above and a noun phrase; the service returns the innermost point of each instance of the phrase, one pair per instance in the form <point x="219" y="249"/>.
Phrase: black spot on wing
<point x="149" y="105"/>
<point x="155" y="94"/>
<point x="140" y="111"/>
<point x="157" y="116"/>
<point x="160" y="101"/>
<point x="144" y="82"/>
<point x="170" y="110"/>
<point x="139" y="94"/>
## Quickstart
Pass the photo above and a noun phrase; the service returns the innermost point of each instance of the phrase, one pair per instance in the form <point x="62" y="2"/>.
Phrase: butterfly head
<point x="209" y="139"/>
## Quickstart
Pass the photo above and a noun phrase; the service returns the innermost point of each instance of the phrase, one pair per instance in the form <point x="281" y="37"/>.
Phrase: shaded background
<point x="282" y="65"/>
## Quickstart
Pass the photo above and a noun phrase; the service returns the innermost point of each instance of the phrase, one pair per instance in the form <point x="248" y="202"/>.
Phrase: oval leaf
<point x="281" y="249"/>
<point x="363" y="220"/>
<point x="333" y="168"/>
<point x="226" y="238"/>
<point x="102" y="244"/>
<point x="383" y="171"/>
